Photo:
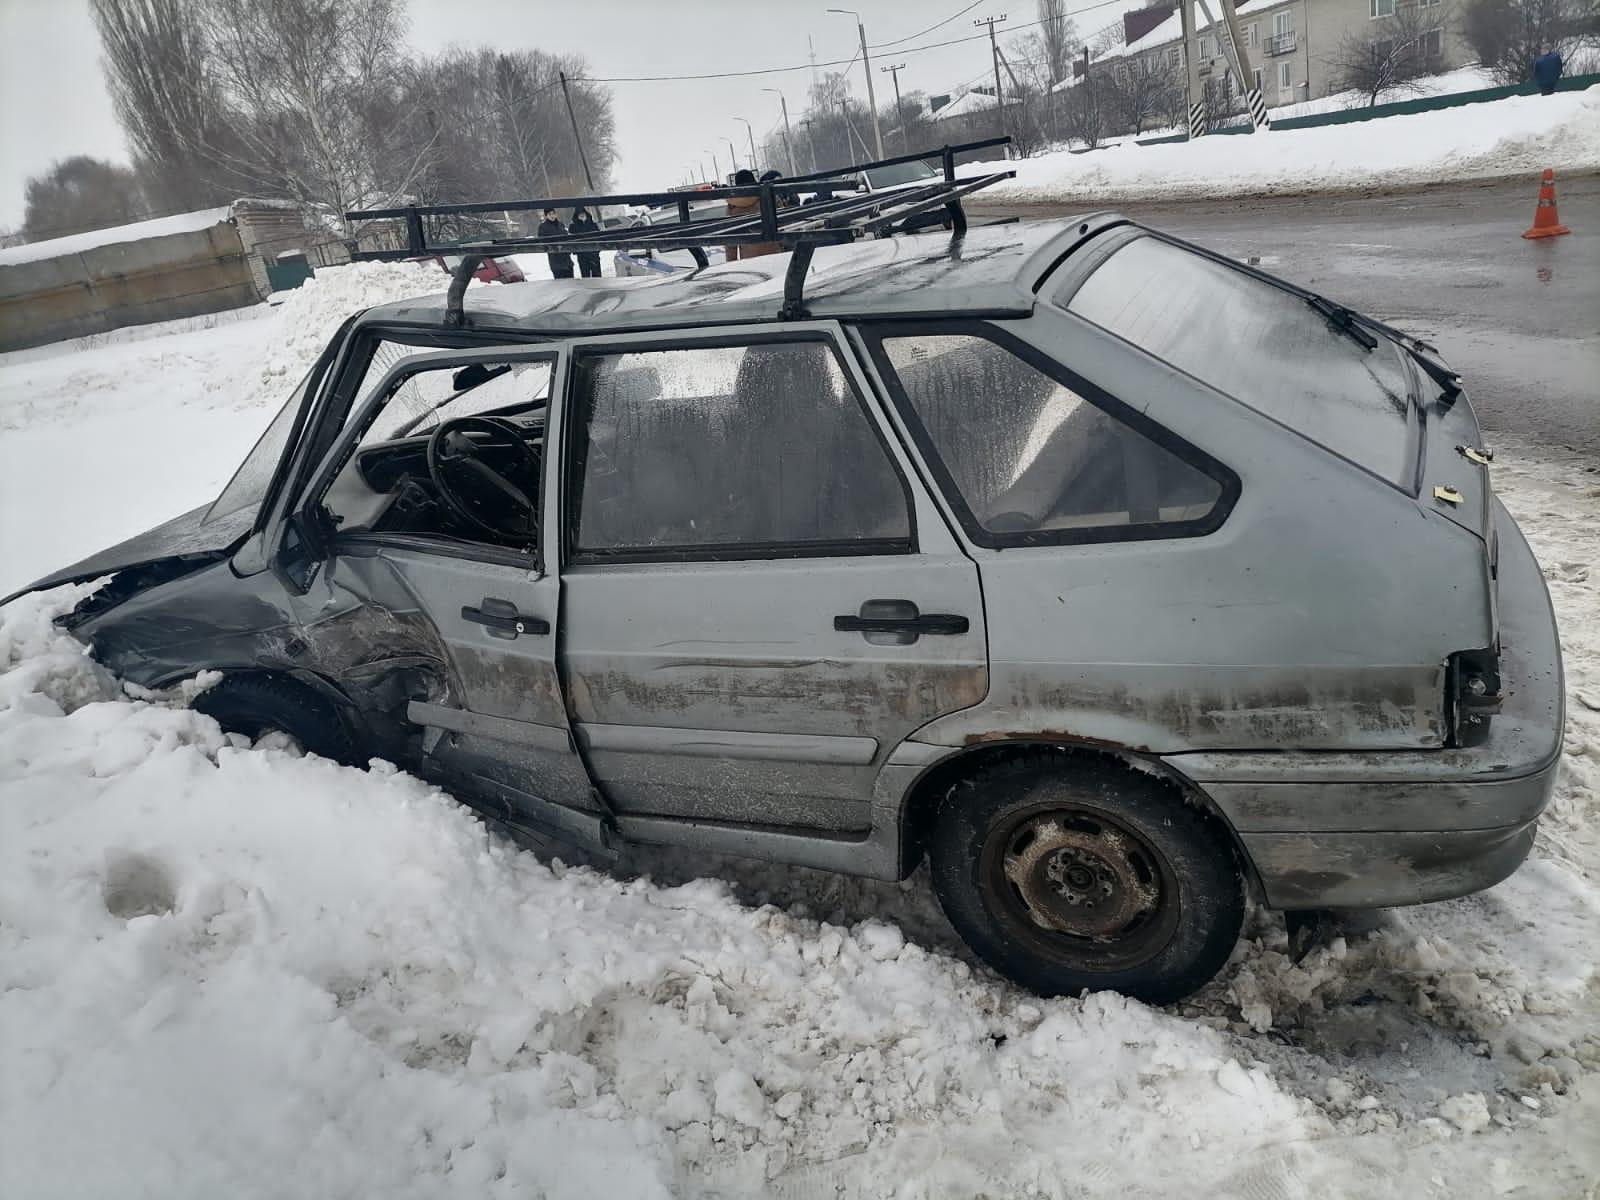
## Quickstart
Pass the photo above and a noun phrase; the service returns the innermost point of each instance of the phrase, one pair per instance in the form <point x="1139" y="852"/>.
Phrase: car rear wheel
<point x="1068" y="876"/>
<point x="256" y="705"/>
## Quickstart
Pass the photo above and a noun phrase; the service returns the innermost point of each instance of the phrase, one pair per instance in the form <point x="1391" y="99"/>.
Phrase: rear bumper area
<point x="1369" y="830"/>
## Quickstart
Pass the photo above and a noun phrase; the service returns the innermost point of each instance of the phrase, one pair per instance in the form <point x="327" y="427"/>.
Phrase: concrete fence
<point x="126" y="283"/>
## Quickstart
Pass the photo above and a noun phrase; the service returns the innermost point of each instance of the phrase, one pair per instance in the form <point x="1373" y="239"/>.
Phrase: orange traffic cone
<point x="1546" y="222"/>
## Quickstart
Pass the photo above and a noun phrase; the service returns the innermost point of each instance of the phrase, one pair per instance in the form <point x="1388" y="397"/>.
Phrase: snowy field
<point x="1475" y="141"/>
<point x="233" y="971"/>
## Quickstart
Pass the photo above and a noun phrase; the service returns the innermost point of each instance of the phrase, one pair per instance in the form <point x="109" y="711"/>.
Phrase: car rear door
<point x="760" y="600"/>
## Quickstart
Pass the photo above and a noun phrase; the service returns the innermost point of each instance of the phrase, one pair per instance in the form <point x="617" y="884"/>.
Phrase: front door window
<point x="451" y="451"/>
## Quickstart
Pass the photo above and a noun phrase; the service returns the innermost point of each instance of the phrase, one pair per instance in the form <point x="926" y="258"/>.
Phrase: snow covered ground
<point x="1503" y="137"/>
<point x="232" y="970"/>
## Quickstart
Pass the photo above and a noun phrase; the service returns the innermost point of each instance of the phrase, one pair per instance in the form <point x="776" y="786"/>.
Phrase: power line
<point x="845" y="62"/>
<point x="913" y="37"/>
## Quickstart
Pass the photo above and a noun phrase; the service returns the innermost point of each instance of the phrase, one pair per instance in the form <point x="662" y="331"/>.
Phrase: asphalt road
<point x="1519" y="319"/>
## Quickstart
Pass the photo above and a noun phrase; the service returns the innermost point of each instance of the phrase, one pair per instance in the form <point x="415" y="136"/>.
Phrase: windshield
<point x="249" y="482"/>
<point x="910" y="172"/>
<point x="1262" y="345"/>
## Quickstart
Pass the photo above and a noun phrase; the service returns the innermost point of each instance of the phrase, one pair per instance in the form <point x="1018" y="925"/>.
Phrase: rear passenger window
<point x="729" y="452"/>
<point x="1029" y="459"/>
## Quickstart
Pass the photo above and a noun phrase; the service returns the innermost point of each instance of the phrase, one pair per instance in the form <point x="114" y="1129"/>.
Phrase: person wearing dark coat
<point x="1547" y="71"/>
<point x="583" y="225"/>
<point x="560" y="261"/>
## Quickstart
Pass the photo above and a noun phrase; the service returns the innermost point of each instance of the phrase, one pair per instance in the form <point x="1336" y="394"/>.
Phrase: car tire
<point x="1068" y="875"/>
<point x="254" y="705"/>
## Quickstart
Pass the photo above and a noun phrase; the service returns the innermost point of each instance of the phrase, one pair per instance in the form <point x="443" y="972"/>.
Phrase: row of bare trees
<point x="319" y="102"/>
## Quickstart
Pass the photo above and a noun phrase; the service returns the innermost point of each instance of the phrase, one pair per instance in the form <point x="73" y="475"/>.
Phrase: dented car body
<point x="644" y="562"/>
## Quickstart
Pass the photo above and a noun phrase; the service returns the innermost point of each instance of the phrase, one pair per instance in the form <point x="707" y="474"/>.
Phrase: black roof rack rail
<point x="829" y="220"/>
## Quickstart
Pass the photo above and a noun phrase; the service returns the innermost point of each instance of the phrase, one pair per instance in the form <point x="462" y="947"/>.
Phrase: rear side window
<point x="1261" y="345"/>
<point x="1029" y="458"/>
<point x="719" y="452"/>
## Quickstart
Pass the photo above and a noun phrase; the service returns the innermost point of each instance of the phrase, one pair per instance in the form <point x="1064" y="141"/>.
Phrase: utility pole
<point x="1191" y="65"/>
<point x="849" y="130"/>
<point x="894" y="74"/>
<point x="788" y="137"/>
<point x="811" y="140"/>
<point x="866" y="65"/>
<point x="751" y="134"/>
<point x="1238" y="57"/>
<point x="582" y="157"/>
<point x="994" y="54"/>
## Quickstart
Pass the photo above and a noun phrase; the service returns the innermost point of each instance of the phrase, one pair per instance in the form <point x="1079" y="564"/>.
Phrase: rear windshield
<point x="893" y="176"/>
<point x="1262" y="345"/>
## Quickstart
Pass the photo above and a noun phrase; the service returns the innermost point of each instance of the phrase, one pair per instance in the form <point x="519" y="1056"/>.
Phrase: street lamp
<point x="733" y="154"/>
<point x="866" y="63"/>
<point x="716" y="170"/>
<point x="788" y="138"/>
<point x="750" y="133"/>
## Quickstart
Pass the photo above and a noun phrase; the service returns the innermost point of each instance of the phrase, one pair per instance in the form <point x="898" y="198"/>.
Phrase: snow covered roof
<point x="1171" y="30"/>
<point x="77" y="243"/>
<point x="970" y="103"/>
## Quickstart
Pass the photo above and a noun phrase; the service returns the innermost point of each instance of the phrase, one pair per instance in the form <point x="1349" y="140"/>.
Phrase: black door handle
<point x="501" y="619"/>
<point x="899" y="617"/>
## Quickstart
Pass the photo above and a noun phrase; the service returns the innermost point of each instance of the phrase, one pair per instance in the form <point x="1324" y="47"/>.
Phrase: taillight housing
<point x="1472" y="695"/>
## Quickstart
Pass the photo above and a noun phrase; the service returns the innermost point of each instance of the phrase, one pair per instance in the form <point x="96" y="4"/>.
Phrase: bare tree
<point x="1391" y="57"/>
<point x="79" y="194"/>
<point x="1088" y="109"/>
<point x="158" y="70"/>
<point x="1144" y="89"/>
<point x="1507" y="35"/>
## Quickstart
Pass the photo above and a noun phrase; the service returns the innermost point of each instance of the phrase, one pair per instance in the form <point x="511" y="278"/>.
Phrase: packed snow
<point x="233" y="969"/>
<point x="1521" y="134"/>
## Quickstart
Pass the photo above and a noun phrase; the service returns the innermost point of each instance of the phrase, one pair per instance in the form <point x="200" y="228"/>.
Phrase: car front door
<point x="760" y="601"/>
<point x="457" y="612"/>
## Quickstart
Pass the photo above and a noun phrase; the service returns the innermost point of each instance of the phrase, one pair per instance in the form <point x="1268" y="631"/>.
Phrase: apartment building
<point x="1293" y="45"/>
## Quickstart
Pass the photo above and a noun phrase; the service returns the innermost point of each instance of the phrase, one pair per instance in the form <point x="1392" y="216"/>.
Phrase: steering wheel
<point x="450" y="448"/>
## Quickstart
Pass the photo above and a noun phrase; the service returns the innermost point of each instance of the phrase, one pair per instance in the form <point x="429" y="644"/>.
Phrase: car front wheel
<point x="1067" y="876"/>
<point x="255" y="705"/>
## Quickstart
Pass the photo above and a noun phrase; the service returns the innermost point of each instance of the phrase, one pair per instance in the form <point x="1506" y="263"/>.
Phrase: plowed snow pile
<point x="1475" y="141"/>
<point x="233" y="970"/>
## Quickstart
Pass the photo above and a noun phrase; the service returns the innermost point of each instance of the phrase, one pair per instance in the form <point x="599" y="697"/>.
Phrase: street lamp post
<point x="900" y="113"/>
<point x="788" y="138"/>
<point x="716" y="171"/>
<point x="751" y="134"/>
<point x="733" y="154"/>
<point x="866" y="62"/>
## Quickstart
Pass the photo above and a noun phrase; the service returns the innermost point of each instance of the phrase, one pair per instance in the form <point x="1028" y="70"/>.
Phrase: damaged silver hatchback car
<point x="1117" y="580"/>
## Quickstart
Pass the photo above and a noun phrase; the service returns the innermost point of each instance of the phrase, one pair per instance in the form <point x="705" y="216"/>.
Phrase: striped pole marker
<point x="1197" y="120"/>
<point x="1258" y="109"/>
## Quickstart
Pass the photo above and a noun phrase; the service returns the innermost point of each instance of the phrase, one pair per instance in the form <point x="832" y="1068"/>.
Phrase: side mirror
<point x="470" y="376"/>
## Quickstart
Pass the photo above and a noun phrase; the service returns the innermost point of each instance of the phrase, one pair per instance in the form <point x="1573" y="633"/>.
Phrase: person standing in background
<point x="1547" y="71"/>
<point x="560" y="261"/>
<point x="583" y="225"/>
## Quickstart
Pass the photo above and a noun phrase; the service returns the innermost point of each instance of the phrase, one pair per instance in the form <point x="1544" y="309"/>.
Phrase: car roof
<point x="992" y="270"/>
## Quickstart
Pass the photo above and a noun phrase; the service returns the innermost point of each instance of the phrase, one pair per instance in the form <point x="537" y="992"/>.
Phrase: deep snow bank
<point x="1504" y="137"/>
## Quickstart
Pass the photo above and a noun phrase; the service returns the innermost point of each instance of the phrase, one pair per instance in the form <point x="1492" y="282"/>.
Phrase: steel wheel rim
<point x="1079" y="886"/>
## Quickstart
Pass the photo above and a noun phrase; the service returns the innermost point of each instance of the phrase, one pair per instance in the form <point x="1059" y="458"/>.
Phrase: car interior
<point x="453" y="452"/>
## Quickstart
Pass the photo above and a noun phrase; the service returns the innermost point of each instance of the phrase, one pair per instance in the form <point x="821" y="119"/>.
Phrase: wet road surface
<point x="1519" y="319"/>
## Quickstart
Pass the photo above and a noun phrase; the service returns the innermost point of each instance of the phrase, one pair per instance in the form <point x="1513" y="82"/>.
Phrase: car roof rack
<point x="829" y="220"/>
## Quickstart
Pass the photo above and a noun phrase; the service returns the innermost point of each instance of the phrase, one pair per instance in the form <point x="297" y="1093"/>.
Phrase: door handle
<point x="501" y="619"/>
<point x="899" y="617"/>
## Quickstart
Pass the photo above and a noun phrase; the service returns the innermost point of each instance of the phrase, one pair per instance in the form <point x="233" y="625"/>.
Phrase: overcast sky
<point x="53" y="101"/>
